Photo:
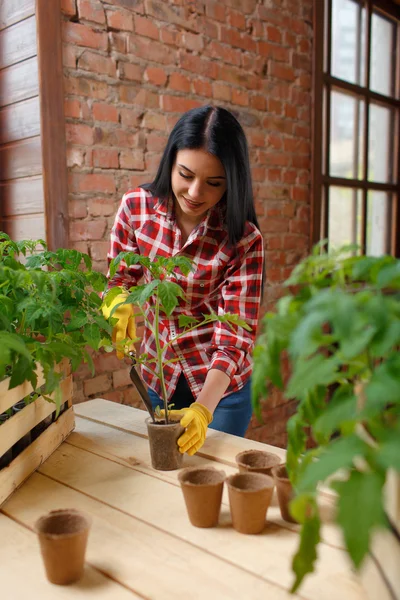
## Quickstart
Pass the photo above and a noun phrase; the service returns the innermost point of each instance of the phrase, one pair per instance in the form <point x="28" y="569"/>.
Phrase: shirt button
<point x="202" y="285"/>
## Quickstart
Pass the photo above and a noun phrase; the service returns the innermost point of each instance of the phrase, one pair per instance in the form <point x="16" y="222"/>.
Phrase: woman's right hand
<point x="125" y="327"/>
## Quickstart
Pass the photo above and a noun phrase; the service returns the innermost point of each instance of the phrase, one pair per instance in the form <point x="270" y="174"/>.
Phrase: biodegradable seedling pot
<point x="285" y="491"/>
<point x="63" y="538"/>
<point x="249" y="498"/>
<point x="257" y="461"/>
<point x="164" y="451"/>
<point x="202" y="489"/>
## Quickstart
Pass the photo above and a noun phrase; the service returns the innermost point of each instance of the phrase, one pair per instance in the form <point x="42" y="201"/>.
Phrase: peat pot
<point x="63" y="538"/>
<point x="249" y="498"/>
<point x="164" y="451"/>
<point x="284" y="490"/>
<point x="257" y="461"/>
<point x="202" y="489"/>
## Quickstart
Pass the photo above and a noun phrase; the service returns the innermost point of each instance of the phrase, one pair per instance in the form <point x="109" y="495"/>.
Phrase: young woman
<point x="200" y="205"/>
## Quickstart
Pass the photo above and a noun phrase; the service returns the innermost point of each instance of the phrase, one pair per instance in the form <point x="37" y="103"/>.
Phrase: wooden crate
<point x="21" y="423"/>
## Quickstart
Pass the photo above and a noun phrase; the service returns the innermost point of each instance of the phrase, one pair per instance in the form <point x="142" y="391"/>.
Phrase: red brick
<point x="119" y="19"/>
<point x="91" y="10"/>
<point x="168" y="37"/>
<point x="130" y="71"/>
<point x="236" y="19"/>
<point x="98" y="250"/>
<point x="98" y="384"/>
<point x="72" y="108"/>
<point x="131" y="117"/>
<point x="87" y="230"/>
<point x="199" y="66"/>
<point x="192" y="42"/>
<point x="68" y="7"/>
<point x="177" y="103"/>
<point x="299" y="194"/>
<point x="82" y="35"/>
<point x="179" y="82"/>
<point x="216" y="10"/>
<point x="155" y="76"/>
<point x="258" y="102"/>
<point x="79" y="134"/>
<point x="132" y="159"/>
<point x="281" y="71"/>
<point x="155" y="142"/>
<point x="101" y="207"/>
<point x="118" y="42"/>
<point x="153" y="120"/>
<point x="121" y="378"/>
<point x="274" y="35"/>
<point x="146" y="27"/>
<point x="221" y="91"/>
<point x="113" y="396"/>
<point x="91" y="182"/>
<point x="240" y="97"/>
<point x="105" y="158"/>
<point x="224" y="52"/>
<point x="150" y="50"/>
<point x="238" y="40"/>
<point x="202" y="88"/>
<point x="120" y="138"/>
<point x="105" y="112"/>
<point x="84" y="86"/>
<point x="97" y="63"/>
<point x="77" y="209"/>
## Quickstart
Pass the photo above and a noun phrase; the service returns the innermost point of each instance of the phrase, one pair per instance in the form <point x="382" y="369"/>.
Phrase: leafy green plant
<point x="161" y="295"/>
<point x="339" y="329"/>
<point x="50" y="310"/>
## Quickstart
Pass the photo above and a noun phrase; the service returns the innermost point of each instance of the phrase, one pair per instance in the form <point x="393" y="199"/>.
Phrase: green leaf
<point x="341" y="408"/>
<point x="306" y="555"/>
<point x="360" y="509"/>
<point x="22" y="370"/>
<point x="308" y="373"/>
<point x="169" y="293"/>
<point x="186" y="321"/>
<point x="339" y="454"/>
<point x="388" y="455"/>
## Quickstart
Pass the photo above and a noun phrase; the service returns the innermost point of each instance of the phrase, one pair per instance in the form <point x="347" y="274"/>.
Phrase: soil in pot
<point x="164" y="450"/>
<point x="257" y="461"/>
<point x="249" y="498"/>
<point x="202" y="489"/>
<point x="6" y="458"/>
<point x="284" y="490"/>
<point x="63" y="538"/>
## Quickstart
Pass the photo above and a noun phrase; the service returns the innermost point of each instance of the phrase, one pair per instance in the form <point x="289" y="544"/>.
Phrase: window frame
<point x="324" y="80"/>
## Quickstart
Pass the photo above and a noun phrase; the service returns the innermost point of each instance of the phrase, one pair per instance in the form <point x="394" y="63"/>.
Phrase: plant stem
<point x="159" y="357"/>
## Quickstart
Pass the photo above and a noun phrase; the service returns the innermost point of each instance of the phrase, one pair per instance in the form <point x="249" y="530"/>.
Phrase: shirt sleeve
<point x="241" y="295"/>
<point x="123" y="240"/>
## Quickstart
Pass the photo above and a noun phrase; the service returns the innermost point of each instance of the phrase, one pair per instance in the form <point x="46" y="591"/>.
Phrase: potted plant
<point x="339" y="329"/>
<point x="50" y="316"/>
<point x="159" y="296"/>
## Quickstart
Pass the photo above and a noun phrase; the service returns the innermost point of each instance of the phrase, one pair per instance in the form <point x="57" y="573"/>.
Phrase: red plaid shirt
<point x="226" y="279"/>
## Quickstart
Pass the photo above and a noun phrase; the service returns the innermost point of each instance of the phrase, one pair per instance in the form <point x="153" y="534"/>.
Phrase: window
<point x="356" y="138"/>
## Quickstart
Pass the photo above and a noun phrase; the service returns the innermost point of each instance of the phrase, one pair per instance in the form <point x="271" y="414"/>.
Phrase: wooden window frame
<point x="322" y="79"/>
<point x="51" y="94"/>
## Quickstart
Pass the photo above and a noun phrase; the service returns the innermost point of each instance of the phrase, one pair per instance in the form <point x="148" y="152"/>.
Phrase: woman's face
<point x="198" y="183"/>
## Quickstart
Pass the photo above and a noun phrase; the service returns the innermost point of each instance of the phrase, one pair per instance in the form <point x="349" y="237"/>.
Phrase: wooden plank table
<point x="141" y="543"/>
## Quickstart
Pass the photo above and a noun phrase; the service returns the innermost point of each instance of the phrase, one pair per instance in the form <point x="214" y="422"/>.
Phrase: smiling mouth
<point x="191" y="203"/>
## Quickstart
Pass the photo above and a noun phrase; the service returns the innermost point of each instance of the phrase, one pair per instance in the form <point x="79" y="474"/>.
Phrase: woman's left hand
<point x="195" y="419"/>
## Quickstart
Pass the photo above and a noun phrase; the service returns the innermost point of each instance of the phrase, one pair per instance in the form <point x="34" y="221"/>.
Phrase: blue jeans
<point x="232" y="414"/>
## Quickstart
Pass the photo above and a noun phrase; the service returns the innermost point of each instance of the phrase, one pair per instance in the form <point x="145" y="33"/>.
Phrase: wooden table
<point x="141" y="543"/>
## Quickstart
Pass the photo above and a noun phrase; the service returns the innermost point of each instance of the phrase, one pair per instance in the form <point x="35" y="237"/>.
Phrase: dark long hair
<point x="217" y="131"/>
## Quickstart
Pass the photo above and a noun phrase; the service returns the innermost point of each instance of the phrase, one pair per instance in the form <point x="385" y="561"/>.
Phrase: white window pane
<point x="382" y="37"/>
<point x="345" y="17"/>
<point x="346" y="149"/>
<point x="377" y="223"/>
<point x="344" y="221"/>
<point x="379" y="161"/>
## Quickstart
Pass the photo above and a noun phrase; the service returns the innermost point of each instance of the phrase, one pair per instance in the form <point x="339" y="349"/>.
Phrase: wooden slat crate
<point x="23" y="422"/>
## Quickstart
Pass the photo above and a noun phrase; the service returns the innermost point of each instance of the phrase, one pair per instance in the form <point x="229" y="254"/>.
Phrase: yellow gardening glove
<point x="195" y="419"/>
<point x="125" y="326"/>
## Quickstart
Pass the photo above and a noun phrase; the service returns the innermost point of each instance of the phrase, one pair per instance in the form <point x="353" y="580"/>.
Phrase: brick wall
<point x="131" y="68"/>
